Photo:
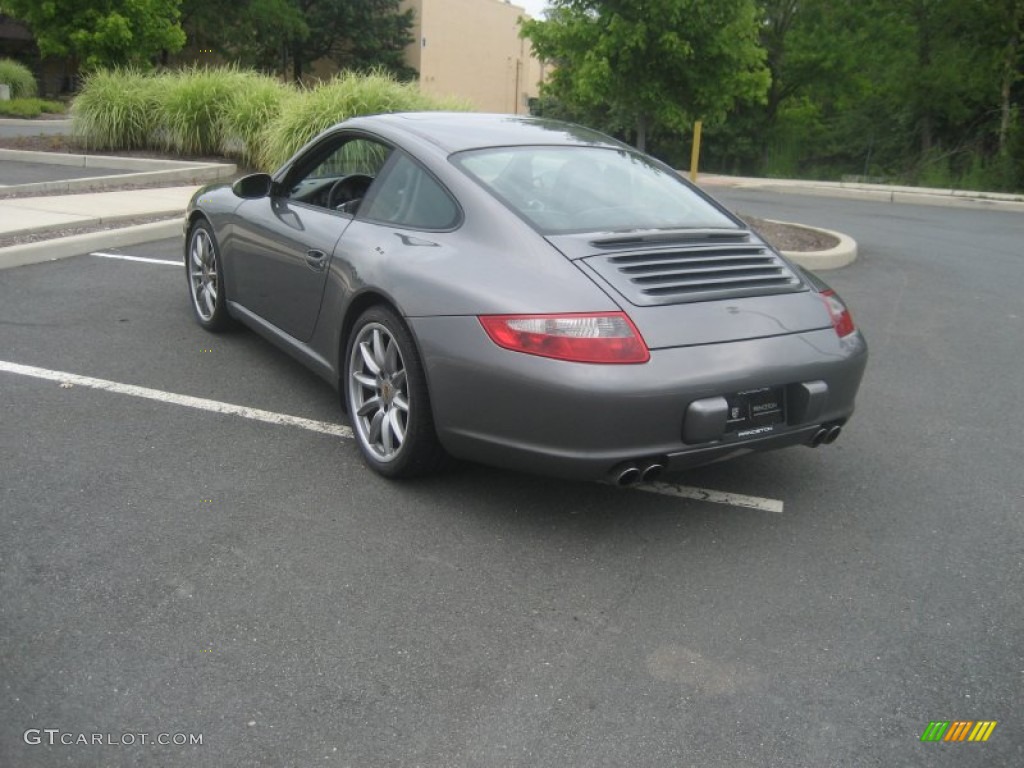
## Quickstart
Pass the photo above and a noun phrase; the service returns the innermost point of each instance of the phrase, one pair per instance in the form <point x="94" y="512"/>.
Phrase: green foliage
<point x="191" y="107"/>
<point x="345" y="96"/>
<point x="24" y="108"/>
<point x="652" y="64"/>
<point x="358" y="35"/>
<point x="19" y="77"/>
<point x="114" y="32"/>
<point x="913" y="91"/>
<point x="287" y="36"/>
<point x="240" y="113"/>
<point x="254" y="33"/>
<point x="249" y="112"/>
<point x="116" y="109"/>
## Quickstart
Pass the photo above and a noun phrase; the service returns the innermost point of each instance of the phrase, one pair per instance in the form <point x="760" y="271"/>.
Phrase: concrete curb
<point x="147" y="171"/>
<point x="819" y="261"/>
<point x="97" y="161"/>
<point x="65" y="247"/>
<point x="955" y="198"/>
<point x="950" y="199"/>
<point x="91" y="222"/>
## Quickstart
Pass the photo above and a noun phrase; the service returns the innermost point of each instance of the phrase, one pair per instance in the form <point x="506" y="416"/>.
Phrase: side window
<point x="355" y="156"/>
<point x="338" y="176"/>
<point x="408" y="196"/>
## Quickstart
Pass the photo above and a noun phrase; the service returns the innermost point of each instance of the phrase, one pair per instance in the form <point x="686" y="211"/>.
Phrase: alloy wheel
<point x="202" y="271"/>
<point x="379" y="392"/>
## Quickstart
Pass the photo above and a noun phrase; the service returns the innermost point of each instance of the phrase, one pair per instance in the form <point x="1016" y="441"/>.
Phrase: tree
<point x="936" y="79"/>
<point x="923" y="90"/>
<point x="115" y="32"/>
<point x="289" y="35"/>
<point x="748" y="141"/>
<point x="827" y="63"/>
<point x="253" y="33"/>
<point x="652" y="64"/>
<point x="354" y="34"/>
<point x="1007" y="25"/>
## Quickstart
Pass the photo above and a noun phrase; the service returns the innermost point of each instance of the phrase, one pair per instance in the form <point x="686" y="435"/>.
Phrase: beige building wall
<point x="471" y="49"/>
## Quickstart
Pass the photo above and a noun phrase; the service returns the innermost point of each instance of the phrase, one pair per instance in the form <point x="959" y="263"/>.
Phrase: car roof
<point x="458" y="131"/>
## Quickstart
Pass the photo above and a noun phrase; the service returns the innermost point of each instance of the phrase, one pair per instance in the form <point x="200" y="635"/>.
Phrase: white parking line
<point x="170" y="397"/>
<point x="126" y="257"/>
<point x="339" y="430"/>
<point x="717" y="497"/>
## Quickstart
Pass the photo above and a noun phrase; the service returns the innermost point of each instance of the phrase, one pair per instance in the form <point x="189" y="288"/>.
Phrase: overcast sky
<point x="533" y="7"/>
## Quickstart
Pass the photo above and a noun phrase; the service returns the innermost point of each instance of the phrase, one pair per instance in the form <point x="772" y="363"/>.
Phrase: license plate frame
<point x="755" y="411"/>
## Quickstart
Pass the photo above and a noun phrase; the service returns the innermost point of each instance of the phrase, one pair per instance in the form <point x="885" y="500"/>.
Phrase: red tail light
<point x="596" y="337"/>
<point x="842" y="320"/>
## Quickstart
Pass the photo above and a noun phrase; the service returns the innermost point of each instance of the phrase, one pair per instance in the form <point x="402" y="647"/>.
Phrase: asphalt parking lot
<point x="174" y="569"/>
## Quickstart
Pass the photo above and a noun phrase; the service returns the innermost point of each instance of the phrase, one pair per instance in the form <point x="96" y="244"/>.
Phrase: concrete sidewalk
<point x="23" y="215"/>
<point x="31" y="211"/>
<point x="34" y="215"/>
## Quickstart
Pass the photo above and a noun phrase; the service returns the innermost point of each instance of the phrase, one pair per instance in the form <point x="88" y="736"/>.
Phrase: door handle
<point x="316" y="259"/>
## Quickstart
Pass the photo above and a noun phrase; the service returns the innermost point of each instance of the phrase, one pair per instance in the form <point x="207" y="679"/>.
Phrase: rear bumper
<point x="582" y="421"/>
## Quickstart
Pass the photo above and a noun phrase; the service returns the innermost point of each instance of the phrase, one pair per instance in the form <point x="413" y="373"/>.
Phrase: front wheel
<point x="387" y="396"/>
<point x="206" y="278"/>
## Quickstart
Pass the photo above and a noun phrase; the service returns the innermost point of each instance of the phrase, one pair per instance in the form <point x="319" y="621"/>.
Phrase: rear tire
<point x="205" y="277"/>
<point x="387" y="398"/>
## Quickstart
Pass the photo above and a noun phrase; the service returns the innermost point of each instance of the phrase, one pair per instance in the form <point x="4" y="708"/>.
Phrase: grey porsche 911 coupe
<point x="524" y="293"/>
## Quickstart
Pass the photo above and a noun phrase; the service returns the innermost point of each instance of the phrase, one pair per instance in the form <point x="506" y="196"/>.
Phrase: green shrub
<point x="934" y="170"/>
<point x="192" y="104"/>
<point x="987" y="174"/>
<point x="29" y="107"/>
<point x="116" y="109"/>
<point x="240" y="113"/>
<point x="19" y="77"/>
<point x="249" y="113"/>
<point x="347" y="95"/>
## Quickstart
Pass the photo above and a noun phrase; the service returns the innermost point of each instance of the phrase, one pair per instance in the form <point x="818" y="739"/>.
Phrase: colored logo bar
<point x="958" y="730"/>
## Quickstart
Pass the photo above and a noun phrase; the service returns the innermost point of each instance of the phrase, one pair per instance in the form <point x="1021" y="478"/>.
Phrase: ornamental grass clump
<point x="248" y="114"/>
<point x="226" y="110"/>
<point x="191" y="106"/>
<point x="116" y="109"/>
<point x="347" y="95"/>
<point x="19" y="77"/>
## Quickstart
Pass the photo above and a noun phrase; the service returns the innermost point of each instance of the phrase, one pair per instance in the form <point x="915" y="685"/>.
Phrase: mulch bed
<point x="789" y="237"/>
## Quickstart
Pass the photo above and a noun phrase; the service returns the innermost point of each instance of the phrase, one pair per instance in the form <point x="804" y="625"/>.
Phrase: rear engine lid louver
<point x="698" y="271"/>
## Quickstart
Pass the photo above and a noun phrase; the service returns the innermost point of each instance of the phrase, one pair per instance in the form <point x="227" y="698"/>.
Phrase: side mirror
<point x="253" y="186"/>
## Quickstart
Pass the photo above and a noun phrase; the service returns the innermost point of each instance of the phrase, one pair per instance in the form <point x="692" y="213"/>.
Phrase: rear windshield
<point x="588" y="189"/>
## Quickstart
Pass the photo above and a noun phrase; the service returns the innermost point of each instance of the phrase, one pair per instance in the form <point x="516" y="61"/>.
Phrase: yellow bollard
<point x="695" y="154"/>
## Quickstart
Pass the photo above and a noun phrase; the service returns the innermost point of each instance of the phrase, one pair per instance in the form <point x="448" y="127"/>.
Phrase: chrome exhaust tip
<point x="628" y="475"/>
<point x="652" y="472"/>
<point x="832" y="435"/>
<point x="819" y="437"/>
